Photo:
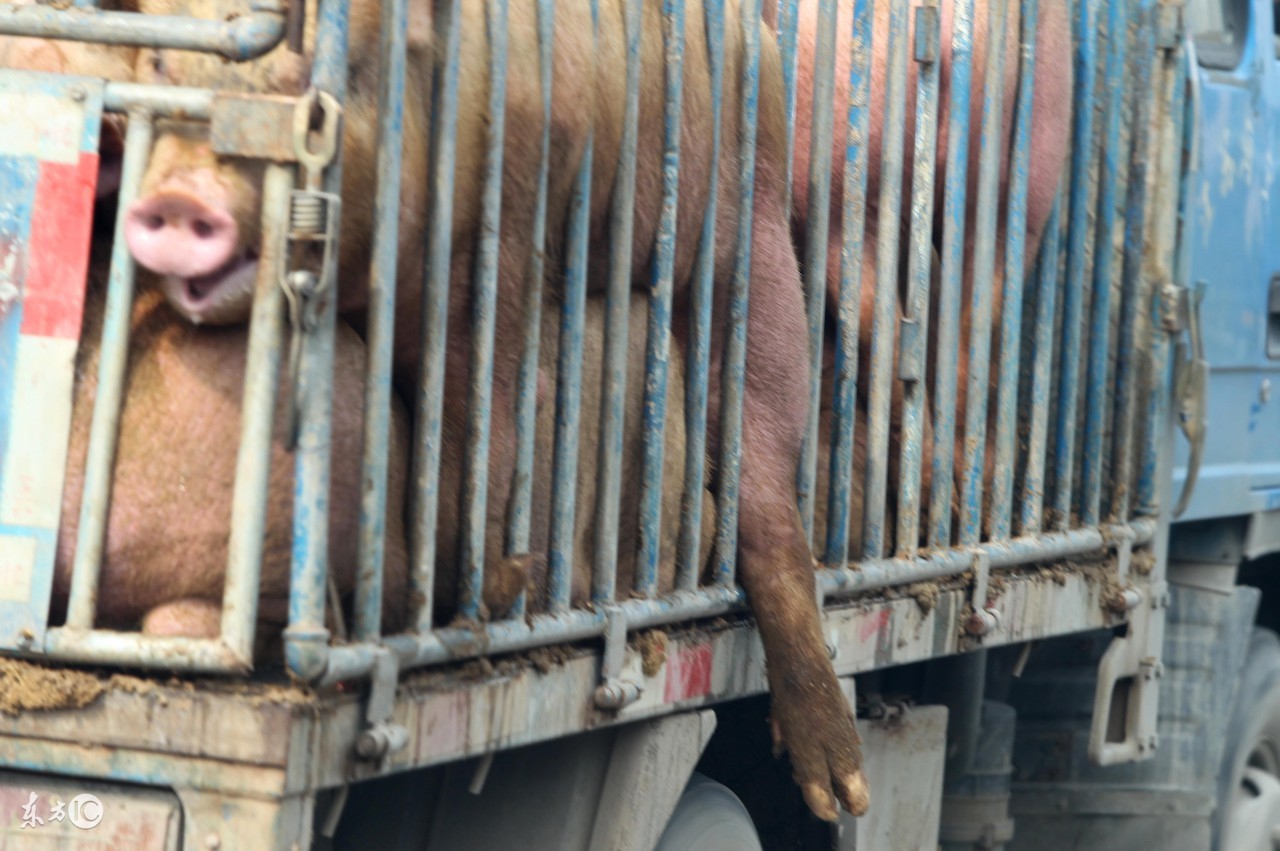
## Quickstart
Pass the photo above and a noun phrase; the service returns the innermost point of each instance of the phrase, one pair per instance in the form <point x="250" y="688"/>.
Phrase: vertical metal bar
<point x="484" y="298"/>
<point x="307" y="584"/>
<point x="527" y="382"/>
<point x="1046" y="304"/>
<point x="1097" y="391"/>
<point x="733" y="373"/>
<point x="381" y="321"/>
<point x="687" y="566"/>
<point x="253" y="460"/>
<point x="1000" y="513"/>
<point x="1171" y="200"/>
<point x="104" y="430"/>
<point x="984" y="250"/>
<point x="883" y="330"/>
<point x="564" y="475"/>
<point x="1075" y="291"/>
<point x="617" y="308"/>
<point x="435" y="309"/>
<point x="944" y="394"/>
<point x="848" y="317"/>
<point x="1135" y="286"/>
<point x="657" y="351"/>
<point x="817" y="235"/>
<point x="915" y="323"/>
<point x="788" y="23"/>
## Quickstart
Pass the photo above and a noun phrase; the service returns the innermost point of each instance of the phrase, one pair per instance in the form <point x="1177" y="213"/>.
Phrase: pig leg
<point x="191" y="618"/>
<point x="810" y="715"/>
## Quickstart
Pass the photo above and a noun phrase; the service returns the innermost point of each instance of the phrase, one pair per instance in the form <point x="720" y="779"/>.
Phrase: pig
<point x="632" y="459"/>
<point x="1051" y="116"/>
<point x="165" y="554"/>
<point x="195" y="226"/>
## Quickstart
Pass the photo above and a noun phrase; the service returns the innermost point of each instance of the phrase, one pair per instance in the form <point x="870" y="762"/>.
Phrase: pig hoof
<point x="504" y="579"/>
<point x="817" y="730"/>
<point x="184" y="618"/>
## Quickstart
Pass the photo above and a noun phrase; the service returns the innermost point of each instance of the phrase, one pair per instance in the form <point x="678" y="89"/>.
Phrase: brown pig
<point x="165" y="555"/>
<point x="1051" y="117"/>
<point x="195" y="224"/>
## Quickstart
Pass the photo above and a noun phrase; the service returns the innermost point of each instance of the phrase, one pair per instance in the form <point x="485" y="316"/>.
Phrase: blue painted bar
<point x="527" y="380"/>
<point x="435" y="312"/>
<point x="883" y="331"/>
<point x="380" y="326"/>
<point x="484" y="298"/>
<point x="733" y="375"/>
<point x="1000" y="507"/>
<point x="848" y="316"/>
<point x="915" y="323"/>
<point x="817" y="234"/>
<point x="984" y="255"/>
<point x="1075" y="289"/>
<point x="1172" y="194"/>
<point x="699" y="352"/>
<point x="1046" y="278"/>
<point x="306" y="639"/>
<point x="788" y="20"/>
<point x="948" y="347"/>
<point x="1098" y="392"/>
<point x="617" y="307"/>
<point x="1135" y="288"/>
<point x="564" y="472"/>
<point x="658" y="344"/>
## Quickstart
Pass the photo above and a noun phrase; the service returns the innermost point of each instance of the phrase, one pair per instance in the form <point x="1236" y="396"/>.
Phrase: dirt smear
<point x="26" y="687"/>
<point x="653" y="651"/>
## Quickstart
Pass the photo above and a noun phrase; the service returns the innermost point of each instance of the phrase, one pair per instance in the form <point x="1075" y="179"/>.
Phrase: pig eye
<point x="157" y="63"/>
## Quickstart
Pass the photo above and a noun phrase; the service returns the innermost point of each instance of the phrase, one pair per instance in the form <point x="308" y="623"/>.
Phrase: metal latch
<point x="1190" y="383"/>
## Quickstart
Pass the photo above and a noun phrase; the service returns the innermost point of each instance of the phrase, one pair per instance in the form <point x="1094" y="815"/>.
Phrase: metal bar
<point x="135" y="650"/>
<point x="815" y="244"/>
<point x="484" y="298"/>
<point x="788" y="24"/>
<point x="307" y="639"/>
<point x="1075" y="286"/>
<point x="883" y="331"/>
<point x="1136" y="290"/>
<point x="984" y="250"/>
<point x="1171" y="200"/>
<point x="658" y="344"/>
<point x="527" y="382"/>
<point x="733" y="369"/>
<point x="687" y="566"/>
<point x="246" y="36"/>
<point x="160" y="101"/>
<point x="509" y="636"/>
<point x="114" y="357"/>
<point x="1000" y="511"/>
<point x="1046" y="304"/>
<point x="848" y="316"/>
<point x="915" y="322"/>
<point x="261" y="386"/>
<point x="616" y="338"/>
<point x="564" y="473"/>
<point x="435" y="311"/>
<point x="381" y="320"/>
<point x="948" y="339"/>
<point x="1097" y="390"/>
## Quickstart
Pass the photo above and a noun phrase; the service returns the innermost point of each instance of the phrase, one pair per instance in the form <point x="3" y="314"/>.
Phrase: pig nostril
<point x="202" y="229"/>
<point x="154" y="222"/>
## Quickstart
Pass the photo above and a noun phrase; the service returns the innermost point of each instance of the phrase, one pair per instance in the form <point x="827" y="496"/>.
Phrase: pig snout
<point x="194" y="245"/>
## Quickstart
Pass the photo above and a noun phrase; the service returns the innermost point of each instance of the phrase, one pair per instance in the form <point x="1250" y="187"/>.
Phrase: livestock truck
<point x="1074" y="652"/>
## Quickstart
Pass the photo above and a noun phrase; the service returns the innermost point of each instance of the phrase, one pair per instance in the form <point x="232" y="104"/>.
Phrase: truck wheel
<point x="1249" y="782"/>
<point x="709" y="817"/>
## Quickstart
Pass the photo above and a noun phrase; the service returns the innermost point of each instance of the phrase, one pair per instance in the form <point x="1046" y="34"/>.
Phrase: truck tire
<point x="709" y="817"/>
<point x="1248" y="817"/>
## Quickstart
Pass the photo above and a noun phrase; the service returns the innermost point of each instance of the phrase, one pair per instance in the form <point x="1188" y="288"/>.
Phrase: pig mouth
<point x="232" y="280"/>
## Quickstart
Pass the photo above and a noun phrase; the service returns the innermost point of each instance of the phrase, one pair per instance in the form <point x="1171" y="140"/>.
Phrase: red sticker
<point x="688" y="673"/>
<point x="58" y="252"/>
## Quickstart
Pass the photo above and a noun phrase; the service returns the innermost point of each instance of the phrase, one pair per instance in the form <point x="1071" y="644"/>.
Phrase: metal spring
<point x="308" y="214"/>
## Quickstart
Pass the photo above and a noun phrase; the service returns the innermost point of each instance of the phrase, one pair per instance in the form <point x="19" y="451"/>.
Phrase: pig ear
<point x="419" y="35"/>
